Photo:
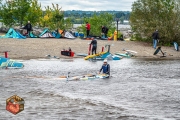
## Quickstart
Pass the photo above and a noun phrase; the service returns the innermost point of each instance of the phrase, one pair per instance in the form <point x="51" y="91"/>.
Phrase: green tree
<point x="57" y="17"/>
<point x="6" y="13"/>
<point x="148" y="15"/>
<point x="20" y="9"/>
<point x="46" y="18"/>
<point x="34" y="13"/>
<point x="54" y="18"/>
<point x="97" y="21"/>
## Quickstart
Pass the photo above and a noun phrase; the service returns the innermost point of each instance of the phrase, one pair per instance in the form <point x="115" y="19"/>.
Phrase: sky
<point x="90" y="5"/>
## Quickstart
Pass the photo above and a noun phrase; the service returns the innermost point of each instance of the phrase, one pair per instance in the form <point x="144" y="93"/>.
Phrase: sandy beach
<point x="36" y="48"/>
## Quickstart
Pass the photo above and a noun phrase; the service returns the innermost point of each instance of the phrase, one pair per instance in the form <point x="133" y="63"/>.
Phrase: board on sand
<point x="131" y="51"/>
<point x="49" y="56"/>
<point x="159" y="49"/>
<point x="81" y="54"/>
<point x="176" y="46"/>
<point x="9" y="63"/>
<point x="123" y="55"/>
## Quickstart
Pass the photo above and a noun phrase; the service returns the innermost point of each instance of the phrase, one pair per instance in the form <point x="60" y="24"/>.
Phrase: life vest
<point x="105" y="68"/>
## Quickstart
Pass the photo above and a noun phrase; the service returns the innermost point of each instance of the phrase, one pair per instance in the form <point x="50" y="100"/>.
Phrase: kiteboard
<point x="176" y="46"/>
<point x="84" y="77"/>
<point x="131" y="51"/>
<point x="157" y="51"/>
<point x="49" y="56"/>
<point x="81" y="54"/>
<point x="9" y="63"/>
<point x="123" y="55"/>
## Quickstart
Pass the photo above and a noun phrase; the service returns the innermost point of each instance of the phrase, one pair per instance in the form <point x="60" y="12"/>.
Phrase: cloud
<point x="90" y="5"/>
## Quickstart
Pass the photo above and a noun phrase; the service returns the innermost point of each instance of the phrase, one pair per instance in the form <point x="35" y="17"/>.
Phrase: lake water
<point x="120" y="26"/>
<point x="139" y="89"/>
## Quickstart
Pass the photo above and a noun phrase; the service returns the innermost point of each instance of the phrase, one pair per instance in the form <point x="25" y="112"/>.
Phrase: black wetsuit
<point x="94" y="46"/>
<point x="28" y="27"/>
<point x="105" y="31"/>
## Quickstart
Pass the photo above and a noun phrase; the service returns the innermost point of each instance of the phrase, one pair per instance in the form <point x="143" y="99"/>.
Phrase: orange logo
<point x="15" y="104"/>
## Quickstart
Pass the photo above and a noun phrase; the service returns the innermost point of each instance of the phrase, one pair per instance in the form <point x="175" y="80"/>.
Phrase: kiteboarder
<point x="155" y="37"/>
<point x="105" y="68"/>
<point x="104" y="31"/>
<point x="28" y="27"/>
<point x="94" y="45"/>
<point x="88" y="27"/>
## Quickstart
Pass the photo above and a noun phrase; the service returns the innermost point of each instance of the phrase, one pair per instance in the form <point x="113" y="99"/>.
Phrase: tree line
<point x="77" y="16"/>
<point x="146" y="16"/>
<point x="18" y="12"/>
<point x="162" y="15"/>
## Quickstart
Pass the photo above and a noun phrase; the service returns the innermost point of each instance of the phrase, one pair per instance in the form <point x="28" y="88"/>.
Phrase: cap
<point x="105" y="60"/>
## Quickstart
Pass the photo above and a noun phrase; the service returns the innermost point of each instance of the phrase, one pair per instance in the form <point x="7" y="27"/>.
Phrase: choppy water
<point x="138" y="90"/>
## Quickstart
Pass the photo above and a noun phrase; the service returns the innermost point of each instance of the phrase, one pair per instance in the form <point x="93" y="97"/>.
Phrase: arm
<point x="108" y="72"/>
<point x="100" y="70"/>
<point x="107" y="30"/>
<point x="92" y="42"/>
<point x="31" y="28"/>
<point x="157" y="35"/>
<point x="25" y="27"/>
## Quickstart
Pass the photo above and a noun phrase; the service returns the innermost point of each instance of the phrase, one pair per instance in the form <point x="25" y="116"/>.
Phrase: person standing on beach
<point x="94" y="45"/>
<point x="28" y="27"/>
<point x="88" y="27"/>
<point x="104" y="31"/>
<point x="105" y="68"/>
<point x="155" y="37"/>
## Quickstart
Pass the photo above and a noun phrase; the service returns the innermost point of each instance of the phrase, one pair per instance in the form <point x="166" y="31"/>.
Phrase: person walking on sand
<point x="105" y="68"/>
<point x="88" y="27"/>
<point x="28" y="27"/>
<point x="155" y="37"/>
<point x="94" y="45"/>
<point x="104" y="31"/>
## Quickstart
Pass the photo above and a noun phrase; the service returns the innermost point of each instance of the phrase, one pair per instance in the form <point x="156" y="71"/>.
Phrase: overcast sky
<point x="92" y="5"/>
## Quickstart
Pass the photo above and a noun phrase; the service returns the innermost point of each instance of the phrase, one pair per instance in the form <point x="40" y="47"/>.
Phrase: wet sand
<point x="35" y="48"/>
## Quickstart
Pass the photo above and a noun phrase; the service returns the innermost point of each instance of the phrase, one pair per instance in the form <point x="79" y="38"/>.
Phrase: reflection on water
<point x="138" y="90"/>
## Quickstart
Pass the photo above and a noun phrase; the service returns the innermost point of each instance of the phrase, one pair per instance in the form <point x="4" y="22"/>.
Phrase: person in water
<point x="105" y="68"/>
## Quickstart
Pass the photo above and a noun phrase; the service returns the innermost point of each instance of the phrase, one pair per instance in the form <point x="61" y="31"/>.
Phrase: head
<point x="28" y="21"/>
<point x="105" y="61"/>
<point x="86" y="22"/>
<point x="102" y="26"/>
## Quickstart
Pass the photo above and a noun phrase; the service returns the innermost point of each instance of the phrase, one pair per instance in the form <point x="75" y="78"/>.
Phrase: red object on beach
<point x="67" y="53"/>
<point x="72" y="54"/>
<point x="102" y="49"/>
<point x="89" y="49"/>
<point x="6" y="54"/>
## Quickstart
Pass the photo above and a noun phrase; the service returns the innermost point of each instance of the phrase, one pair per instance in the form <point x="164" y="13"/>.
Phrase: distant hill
<point x="80" y="14"/>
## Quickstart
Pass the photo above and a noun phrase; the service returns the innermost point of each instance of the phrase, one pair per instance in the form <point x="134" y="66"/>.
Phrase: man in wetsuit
<point x="155" y="37"/>
<point x="94" y="45"/>
<point x="105" y="68"/>
<point x="104" y="31"/>
<point x="28" y="27"/>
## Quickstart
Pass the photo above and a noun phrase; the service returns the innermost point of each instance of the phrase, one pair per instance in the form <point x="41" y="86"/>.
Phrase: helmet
<point x="105" y="60"/>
